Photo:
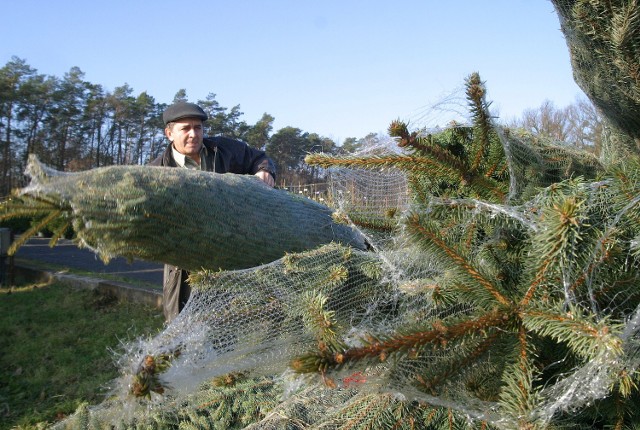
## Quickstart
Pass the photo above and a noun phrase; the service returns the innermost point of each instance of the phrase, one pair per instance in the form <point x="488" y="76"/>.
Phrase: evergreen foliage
<point x="531" y="294"/>
<point x="175" y="216"/>
<point x="544" y="275"/>
<point x="604" y="42"/>
<point x="529" y="315"/>
<point x="562" y="277"/>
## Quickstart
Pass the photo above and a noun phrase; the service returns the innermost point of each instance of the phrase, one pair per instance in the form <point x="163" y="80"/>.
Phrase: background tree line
<point x="72" y="124"/>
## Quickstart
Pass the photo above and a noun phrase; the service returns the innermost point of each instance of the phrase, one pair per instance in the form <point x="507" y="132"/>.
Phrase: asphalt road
<point x="67" y="255"/>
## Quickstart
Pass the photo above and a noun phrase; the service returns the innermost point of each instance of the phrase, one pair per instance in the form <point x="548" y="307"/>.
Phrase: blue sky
<point x="339" y="68"/>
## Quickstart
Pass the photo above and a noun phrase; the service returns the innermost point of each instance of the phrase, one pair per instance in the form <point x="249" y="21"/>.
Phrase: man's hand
<point x="266" y="177"/>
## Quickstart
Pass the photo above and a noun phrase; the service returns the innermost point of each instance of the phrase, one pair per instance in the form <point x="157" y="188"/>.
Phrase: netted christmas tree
<point x="604" y="42"/>
<point x="497" y="286"/>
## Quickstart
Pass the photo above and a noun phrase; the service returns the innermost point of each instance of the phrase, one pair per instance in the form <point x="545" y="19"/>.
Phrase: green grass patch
<point x="55" y="349"/>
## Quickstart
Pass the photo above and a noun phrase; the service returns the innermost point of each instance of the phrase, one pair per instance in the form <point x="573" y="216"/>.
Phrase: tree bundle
<point x="191" y="219"/>
<point x="604" y="42"/>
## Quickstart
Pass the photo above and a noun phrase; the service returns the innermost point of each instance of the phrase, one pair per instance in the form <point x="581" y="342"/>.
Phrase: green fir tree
<point x="528" y="316"/>
<point x="539" y="270"/>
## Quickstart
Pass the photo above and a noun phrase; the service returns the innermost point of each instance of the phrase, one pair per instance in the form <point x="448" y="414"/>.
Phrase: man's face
<point x="186" y="135"/>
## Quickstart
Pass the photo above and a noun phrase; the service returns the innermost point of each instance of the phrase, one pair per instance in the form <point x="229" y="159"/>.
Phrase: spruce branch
<point x="561" y="227"/>
<point x="424" y="145"/>
<point x="479" y="109"/>
<point x="448" y="368"/>
<point x="438" y="336"/>
<point x="320" y="321"/>
<point x="519" y="396"/>
<point x="585" y="337"/>
<point x="44" y="212"/>
<point x="424" y="165"/>
<point x="428" y="236"/>
<point x="407" y="163"/>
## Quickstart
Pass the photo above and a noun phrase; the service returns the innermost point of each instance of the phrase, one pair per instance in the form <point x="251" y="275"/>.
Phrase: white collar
<point x="178" y="157"/>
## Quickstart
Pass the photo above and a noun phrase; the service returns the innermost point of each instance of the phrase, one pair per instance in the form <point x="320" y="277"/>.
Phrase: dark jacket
<point x="225" y="155"/>
<point x="222" y="155"/>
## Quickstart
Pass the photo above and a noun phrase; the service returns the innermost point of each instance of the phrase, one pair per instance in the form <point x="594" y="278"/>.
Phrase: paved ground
<point x="67" y="255"/>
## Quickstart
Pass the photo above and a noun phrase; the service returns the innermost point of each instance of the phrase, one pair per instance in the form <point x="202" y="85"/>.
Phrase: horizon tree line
<point x="72" y="124"/>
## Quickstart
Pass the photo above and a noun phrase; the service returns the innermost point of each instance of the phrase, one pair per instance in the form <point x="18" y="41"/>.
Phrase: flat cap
<point x="183" y="110"/>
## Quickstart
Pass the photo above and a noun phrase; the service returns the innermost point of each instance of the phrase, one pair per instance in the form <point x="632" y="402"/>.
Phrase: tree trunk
<point x="6" y="153"/>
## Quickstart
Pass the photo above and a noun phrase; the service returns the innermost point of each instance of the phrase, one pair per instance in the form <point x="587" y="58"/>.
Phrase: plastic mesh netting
<point x="257" y="332"/>
<point x="491" y="281"/>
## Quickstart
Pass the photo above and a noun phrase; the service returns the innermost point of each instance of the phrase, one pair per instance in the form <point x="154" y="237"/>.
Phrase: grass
<point x="56" y="345"/>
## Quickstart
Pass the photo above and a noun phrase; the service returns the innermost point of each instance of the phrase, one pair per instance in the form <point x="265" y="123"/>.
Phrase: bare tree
<point x="585" y="125"/>
<point x="578" y="124"/>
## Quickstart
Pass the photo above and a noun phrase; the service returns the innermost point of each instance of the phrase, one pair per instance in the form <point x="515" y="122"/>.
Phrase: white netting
<point x="373" y="197"/>
<point x="259" y="321"/>
<point x="513" y="304"/>
<point x="376" y="333"/>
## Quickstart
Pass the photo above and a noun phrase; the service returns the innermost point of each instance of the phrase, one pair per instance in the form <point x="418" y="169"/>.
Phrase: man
<point x="188" y="148"/>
